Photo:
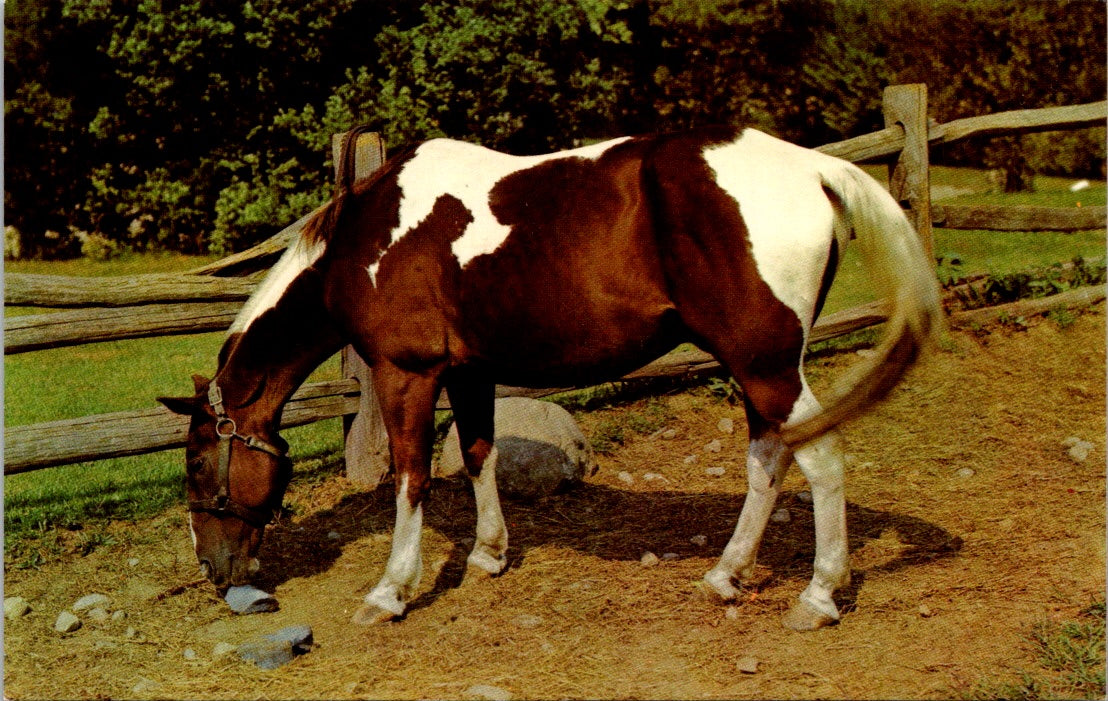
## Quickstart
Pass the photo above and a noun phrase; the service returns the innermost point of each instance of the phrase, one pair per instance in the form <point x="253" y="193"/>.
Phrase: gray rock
<point x="267" y="654"/>
<point x="15" y="607"/>
<point x="726" y="425"/>
<point x="100" y="615"/>
<point x="90" y="602"/>
<point x="626" y="477"/>
<point x="715" y="471"/>
<point x="540" y="449"/>
<point x="247" y="599"/>
<point x="714" y="446"/>
<point x="965" y="472"/>
<point x="278" y="648"/>
<point x="781" y="516"/>
<point x="67" y="622"/>
<point x="299" y="636"/>
<point x="649" y="559"/>
<point x="189" y="654"/>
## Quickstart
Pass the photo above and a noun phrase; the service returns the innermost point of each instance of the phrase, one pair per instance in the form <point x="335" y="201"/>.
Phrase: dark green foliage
<point x="205" y="126"/>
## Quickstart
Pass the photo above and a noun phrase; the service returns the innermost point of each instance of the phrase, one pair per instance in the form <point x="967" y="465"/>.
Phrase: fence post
<point x="910" y="176"/>
<point x="366" y="442"/>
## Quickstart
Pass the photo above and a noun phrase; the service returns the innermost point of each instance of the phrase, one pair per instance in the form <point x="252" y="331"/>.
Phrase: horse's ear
<point x="200" y="383"/>
<point x="181" y="405"/>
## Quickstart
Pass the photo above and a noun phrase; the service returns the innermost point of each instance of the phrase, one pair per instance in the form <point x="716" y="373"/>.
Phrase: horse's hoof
<point x="706" y="591"/>
<point x="718" y="589"/>
<point x="369" y="615"/>
<point x="481" y="565"/>
<point x="803" y="617"/>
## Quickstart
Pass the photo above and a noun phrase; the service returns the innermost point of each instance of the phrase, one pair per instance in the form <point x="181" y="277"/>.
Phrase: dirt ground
<point x="950" y="568"/>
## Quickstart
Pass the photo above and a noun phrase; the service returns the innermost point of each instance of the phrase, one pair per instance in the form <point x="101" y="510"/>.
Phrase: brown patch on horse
<point x="581" y="242"/>
<point x="714" y="280"/>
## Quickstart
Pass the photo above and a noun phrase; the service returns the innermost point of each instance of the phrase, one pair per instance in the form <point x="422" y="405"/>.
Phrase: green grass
<point x="67" y="383"/>
<point x="124" y="375"/>
<point x="1069" y="662"/>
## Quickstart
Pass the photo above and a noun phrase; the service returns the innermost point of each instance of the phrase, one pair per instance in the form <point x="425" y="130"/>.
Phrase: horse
<point x="455" y="267"/>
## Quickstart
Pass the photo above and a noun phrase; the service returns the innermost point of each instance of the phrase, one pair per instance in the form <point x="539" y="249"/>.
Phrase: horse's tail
<point x="904" y="277"/>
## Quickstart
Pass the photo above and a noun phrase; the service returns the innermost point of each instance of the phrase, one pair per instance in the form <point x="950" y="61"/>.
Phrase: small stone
<point x="98" y="614"/>
<point x="965" y="472"/>
<point x="714" y="446"/>
<point x="189" y="654"/>
<point x="726" y="425"/>
<point x="66" y="622"/>
<point x="654" y="476"/>
<point x="669" y="434"/>
<point x="866" y="352"/>
<point x="1078" y="449"/>
<point x="715" y="471"/>
<point x="267" y="654"/>
<point x="648" y="559"/>
<point x="130" y="633"/>
<point x="731" y="613"/>
<point x="91" y="601"/>
<point x="143" y="687"/>
<point x="15" y="607"/>
<point x="924" y="611"/>
<point x="133" y="562"/>
<point x="626" y="477"/>
<point x="699" y="540"/>
<point x="667" y="557"/>
<point x="488" y="693"/>
<point x="690" y="459"/>
<point x="299" y="636"/>
<point x="747" y="665"/>
<point x="223" y="650"/>
<point x="334" y="535"/>
<point x="246" y="599"/>
<point x="804" y="496"/>
<point x="105" y="645"/>
<point x="119" y="615"/>
<point x="527" y="620"/>
<point x="781" y="516"/>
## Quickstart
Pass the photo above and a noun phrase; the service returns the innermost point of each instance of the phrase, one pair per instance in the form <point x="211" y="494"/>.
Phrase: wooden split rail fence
<point x="208" y="298"/>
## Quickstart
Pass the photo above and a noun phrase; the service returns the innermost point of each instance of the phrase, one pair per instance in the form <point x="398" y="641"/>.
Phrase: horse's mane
<point x="322" y="226"/>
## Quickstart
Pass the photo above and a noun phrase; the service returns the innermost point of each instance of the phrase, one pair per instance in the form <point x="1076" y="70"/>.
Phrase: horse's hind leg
<point x="821" y="461"/>
<point x="768" y="458"/>
<point x="473" y="404"/>
<point x="407" y="402"/>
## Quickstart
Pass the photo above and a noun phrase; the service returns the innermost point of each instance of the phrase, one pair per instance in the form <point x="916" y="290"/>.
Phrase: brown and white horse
<point x="458" y="267"/>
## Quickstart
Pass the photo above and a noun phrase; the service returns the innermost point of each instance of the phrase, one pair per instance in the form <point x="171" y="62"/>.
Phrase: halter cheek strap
<point x="221" y="504"/>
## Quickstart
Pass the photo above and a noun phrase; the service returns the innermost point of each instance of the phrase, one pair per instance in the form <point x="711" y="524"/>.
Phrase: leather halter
<point x="221" y="504"/>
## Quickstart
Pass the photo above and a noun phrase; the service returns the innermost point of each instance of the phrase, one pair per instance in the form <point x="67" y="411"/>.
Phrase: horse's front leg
<point x="473" y="404"/>
<point x="407" y="403"/>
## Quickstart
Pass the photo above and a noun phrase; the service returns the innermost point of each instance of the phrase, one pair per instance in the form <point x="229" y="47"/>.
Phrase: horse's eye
<point x="194" y="465"/>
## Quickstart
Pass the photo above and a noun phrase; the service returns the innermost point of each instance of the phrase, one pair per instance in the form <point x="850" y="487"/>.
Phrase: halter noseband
<point x="221" y="504"/>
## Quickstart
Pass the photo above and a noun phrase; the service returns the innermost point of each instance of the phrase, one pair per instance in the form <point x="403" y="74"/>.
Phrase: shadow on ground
<point x="599" y="520"/>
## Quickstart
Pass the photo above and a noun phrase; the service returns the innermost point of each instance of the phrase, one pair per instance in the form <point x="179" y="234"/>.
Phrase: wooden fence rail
<point x="208" y="298"/>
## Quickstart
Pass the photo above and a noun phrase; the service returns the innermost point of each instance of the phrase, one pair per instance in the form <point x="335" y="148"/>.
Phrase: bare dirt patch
<point x="951" y="569"/>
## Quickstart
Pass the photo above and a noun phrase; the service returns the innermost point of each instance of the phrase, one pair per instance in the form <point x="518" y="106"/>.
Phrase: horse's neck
<point x="267" y="356"/>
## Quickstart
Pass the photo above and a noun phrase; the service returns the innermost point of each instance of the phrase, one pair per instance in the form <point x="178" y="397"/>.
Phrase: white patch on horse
<point x="779" y="190"/>
<point x="468" y="172"/>
<point x="405" y="565"/>
<point x="296" y="259"/>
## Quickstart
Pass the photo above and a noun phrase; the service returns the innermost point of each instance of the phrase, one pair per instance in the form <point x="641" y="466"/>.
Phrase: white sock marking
<point x="405" y="565"/>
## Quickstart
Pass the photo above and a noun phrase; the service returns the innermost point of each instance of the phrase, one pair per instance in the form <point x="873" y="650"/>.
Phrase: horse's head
<point x="236" y="472"/>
